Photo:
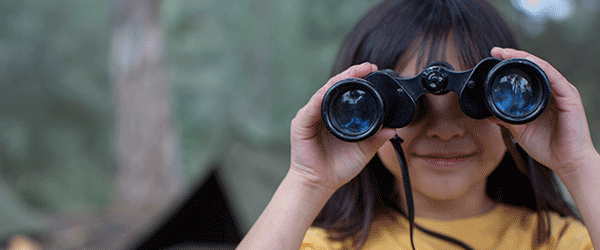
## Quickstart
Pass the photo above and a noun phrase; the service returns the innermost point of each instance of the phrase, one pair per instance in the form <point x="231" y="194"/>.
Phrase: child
<point x="473" y="187"/>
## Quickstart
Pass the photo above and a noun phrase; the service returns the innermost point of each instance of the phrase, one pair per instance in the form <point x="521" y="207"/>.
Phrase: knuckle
<point x="351" y="71"/>
<point x="574" y="89"/>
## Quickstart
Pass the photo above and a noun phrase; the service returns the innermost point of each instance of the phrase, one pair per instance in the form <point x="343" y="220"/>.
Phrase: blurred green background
<point x="235" y="71"/>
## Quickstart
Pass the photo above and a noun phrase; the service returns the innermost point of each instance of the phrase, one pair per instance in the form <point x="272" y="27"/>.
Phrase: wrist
<point x="291" y="211"/>
<point x="586" y="166"/>
<point x="307" y="186"/>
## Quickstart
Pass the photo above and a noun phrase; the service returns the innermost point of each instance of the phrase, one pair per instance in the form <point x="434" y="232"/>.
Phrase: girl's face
<point x="449" y="155"/>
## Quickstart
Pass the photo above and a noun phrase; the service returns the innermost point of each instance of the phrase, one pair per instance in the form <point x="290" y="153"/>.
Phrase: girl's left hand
<point x="560" y="138"/>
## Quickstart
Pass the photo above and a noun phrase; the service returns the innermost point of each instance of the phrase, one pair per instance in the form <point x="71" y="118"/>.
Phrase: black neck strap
<point x="410" y="205"/>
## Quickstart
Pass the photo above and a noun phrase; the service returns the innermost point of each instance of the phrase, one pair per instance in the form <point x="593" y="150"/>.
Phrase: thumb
<point x="514" y="129"/>
<point x="378" y="139"/>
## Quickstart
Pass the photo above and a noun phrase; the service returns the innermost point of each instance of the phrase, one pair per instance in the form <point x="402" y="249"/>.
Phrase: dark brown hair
<point x="388" y="36"/>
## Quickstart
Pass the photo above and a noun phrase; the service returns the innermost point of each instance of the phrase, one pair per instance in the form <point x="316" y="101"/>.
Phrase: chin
<point x="444" y="188"/>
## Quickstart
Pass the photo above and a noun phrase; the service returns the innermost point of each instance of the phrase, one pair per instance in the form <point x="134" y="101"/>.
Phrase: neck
<point x="473" y="203"/>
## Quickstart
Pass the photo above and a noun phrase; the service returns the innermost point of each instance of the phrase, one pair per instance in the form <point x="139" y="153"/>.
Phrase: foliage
<point x="55" y="102"/>
<point x="241" y="69"/>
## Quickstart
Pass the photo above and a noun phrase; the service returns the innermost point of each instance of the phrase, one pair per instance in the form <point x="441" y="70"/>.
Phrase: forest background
<point x="116" y="110"/>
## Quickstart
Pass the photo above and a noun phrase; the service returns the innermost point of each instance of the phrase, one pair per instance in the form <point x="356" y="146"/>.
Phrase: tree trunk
<point x="147" y="173"/>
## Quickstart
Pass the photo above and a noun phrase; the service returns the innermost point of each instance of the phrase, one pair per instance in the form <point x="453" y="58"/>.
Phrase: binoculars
<point x="514" y="90"/>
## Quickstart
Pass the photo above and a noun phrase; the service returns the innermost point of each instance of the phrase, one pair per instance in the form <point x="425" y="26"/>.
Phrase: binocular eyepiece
<point x="514" y="90"/>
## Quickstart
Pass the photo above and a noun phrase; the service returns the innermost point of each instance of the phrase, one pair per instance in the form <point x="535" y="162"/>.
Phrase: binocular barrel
<point x="514" y="90"/>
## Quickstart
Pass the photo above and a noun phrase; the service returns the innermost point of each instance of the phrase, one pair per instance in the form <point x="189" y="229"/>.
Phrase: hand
<point x="560" y="138"/>
<point x="318" y="157"/>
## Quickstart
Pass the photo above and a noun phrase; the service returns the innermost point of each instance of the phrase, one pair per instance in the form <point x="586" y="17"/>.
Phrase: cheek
<point x="388" y="154"/>
<point x="490" y="139"/>
<point x="388" y="157"/>
<point x="408" y="134"/>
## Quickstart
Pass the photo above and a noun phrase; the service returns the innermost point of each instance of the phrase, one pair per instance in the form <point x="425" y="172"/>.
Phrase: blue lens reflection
<point x="354" y="111"/>
<point x="356" y="125"/>
<point x="514" y="96"/>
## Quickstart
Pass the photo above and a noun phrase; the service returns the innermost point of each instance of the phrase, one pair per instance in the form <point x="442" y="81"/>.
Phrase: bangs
<point x="428" y="48"/>
<point x="397" y="31"/>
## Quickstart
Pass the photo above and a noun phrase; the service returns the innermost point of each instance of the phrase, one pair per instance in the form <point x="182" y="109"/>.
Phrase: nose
<point x="444" y="120"/>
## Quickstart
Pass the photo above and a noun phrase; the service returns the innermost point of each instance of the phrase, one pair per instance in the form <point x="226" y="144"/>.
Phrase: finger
<point x="370" y="146"/>
<point x="501" y="123"/>
<point x="374" y="67"/>
<point x="355" y="71"/>
<point x="516" y="130"/>
<point x="497" y="52"/>
<point x="558" y="83"/>
<point x="505" y="53"/>
<point x="378" y="139"/>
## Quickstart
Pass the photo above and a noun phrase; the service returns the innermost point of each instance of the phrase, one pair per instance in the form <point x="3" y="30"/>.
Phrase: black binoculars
<point x="514" y="90"/>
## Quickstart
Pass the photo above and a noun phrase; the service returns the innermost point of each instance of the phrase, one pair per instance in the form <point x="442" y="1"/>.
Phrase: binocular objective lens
<point x="515" y="95"/>
<point x="353" y="112"/>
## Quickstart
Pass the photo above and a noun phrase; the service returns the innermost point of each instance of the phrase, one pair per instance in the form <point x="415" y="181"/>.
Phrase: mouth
<point x="445" y="159"/>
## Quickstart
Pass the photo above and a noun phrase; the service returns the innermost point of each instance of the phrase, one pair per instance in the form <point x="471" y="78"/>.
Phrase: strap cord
<point x="396" y="141"/>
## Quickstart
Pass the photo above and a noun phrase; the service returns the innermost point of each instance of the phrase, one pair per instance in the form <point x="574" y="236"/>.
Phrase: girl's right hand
<point x="320" y="159"/>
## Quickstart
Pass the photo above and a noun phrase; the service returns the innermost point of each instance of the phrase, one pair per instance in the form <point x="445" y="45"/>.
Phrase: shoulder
<point x="559" y="225"/>
<point x="565" y="232"/>
<point x="569" y="233"/>
<point x="318" y="238"/>
<point x="387" y="231"/>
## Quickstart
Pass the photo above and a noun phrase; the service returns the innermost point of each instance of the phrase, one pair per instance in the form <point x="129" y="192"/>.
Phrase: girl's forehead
<point x="415" y="64"/>
<point x="418" y="56"/>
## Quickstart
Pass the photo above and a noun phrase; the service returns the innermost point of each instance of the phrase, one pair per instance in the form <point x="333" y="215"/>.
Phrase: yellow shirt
<point x="505" y="227"/>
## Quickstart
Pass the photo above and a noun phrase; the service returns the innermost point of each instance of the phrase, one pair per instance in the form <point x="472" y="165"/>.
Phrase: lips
<point x="445" y="155"/>
<point x="445" y="159"/>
